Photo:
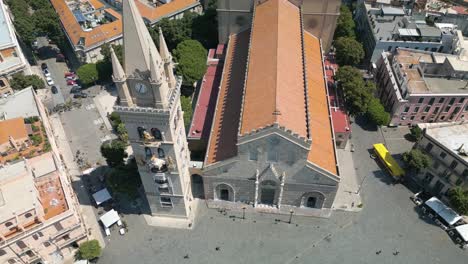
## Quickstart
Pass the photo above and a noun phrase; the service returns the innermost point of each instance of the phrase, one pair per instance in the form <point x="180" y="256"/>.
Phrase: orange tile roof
<point x="156" y="13"/>
<point x="12" y="127"/>
<point x="322" y="151"/>
<point x="274" y="89"/>
<point x="51" y="195"/>
<point x="93" y="37"/>
<point x="223" y="138"/>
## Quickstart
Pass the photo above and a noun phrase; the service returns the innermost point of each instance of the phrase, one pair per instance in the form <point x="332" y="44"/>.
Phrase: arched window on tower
<point x="148" y="153"/>
<point x="156" y="133"/>
<point x="161" y="153"/>
<point x="141" y="132"/>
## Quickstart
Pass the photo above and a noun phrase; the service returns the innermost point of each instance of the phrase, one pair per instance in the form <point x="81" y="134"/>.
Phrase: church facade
<point x="149" y="106"/>
<point x="271" y="143"/>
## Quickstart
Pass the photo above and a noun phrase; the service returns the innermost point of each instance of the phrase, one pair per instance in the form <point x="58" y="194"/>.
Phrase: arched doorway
<point x="198" y="190"/>
<point x="224" y="192"/>
<point x="268" y="192"/>
<point x="313" y="200"/>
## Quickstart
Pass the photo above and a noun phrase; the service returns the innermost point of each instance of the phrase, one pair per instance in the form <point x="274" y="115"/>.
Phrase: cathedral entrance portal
<point x="268" y="192"/>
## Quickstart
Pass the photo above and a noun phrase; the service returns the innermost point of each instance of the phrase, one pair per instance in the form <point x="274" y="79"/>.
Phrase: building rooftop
<point x="14" y="128"/>
<point x="17" y="190"/>
<point x="153" y="14"/>
<point x="454" y="136"/>
<point x="274" y="88"/>
<point x="25" y="98"/>
<point x="5" y="28"/>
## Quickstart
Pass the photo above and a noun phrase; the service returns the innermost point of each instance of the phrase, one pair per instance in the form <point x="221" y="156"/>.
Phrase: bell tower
<point x="149" y="105"/>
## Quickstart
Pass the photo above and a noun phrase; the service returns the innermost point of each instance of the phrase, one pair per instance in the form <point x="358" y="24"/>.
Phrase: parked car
<point x="69" y="74"/>
<point x="80" y="95"/>
<point x="107" y="231"/>
<point x="44" y="66"/>
<point x="71" y="82"/>
<point x="60" y="57"/>
<point x="46" y="72"/>
<point x="49" y="81"/>
<point x="77" y="86"/>
<point x="72" y="77"/>
<point x="75" y="89"/>
<point x="54" y="89"/>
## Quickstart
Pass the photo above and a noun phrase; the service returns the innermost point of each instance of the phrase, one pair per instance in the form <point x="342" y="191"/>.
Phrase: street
<point x="387" y="230"/>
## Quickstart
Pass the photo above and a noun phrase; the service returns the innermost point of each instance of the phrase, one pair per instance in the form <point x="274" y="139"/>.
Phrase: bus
<point x="387" y="160"/>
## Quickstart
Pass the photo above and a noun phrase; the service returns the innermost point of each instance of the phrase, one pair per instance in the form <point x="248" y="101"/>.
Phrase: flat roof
<point x="389" y="10"/>
<point x="451" y="135"/>
<point x="154" y="14"/>
<point x="42" y="165"/>
<point x="5" y="27"/>
<point x="17" y="190"/>
<point x="25" y="98"/>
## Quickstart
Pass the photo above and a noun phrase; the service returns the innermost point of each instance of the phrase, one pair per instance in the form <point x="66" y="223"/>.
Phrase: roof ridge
<point x="276" y="111"/>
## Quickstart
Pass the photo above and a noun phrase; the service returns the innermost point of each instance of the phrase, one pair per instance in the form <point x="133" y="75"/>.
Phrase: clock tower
<point x="149" y="105"/>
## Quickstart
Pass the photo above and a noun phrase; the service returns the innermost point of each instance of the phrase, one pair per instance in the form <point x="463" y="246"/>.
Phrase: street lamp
<point x="291" y="212"/>
<point x="243" y="212"/>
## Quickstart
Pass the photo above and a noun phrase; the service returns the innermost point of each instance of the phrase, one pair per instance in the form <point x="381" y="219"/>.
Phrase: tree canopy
<point x="191" y="58"/>
<point x="20" y="81"/>
<point x="416" y="133"/>
<point x="345" y="25"/>
<point x="415" y="159"/>
<point x="357" y="93"/>
<point x="377" y="113"/>
<point x="89" y="250"/>
<point x="88" y="73"/>
<point x="186" y="104"/>
<point x="459" y="199"/>
<point x="114" y="152"/>
<point x="348" y="51"/>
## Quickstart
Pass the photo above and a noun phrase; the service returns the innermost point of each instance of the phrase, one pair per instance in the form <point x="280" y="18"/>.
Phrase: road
<point x="387" y="230"/>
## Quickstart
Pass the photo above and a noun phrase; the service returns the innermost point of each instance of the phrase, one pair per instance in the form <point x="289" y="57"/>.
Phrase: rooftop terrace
<point x="453" y="136"/>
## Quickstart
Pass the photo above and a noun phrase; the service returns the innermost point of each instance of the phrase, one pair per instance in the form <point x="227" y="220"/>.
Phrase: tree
<point x="114" y="152"/>
<point x="105" y="52"/>
<point x="125" y="179"/>
<point x="191" y="58"/>
<point x="186" y="104"/>
<point x="348" y="51"/>
<point x="205" y="27"/>
<point x="416" y="160"/>
<point x="345" y="24"/>
<point x="88" y="73"/>
<point x="175" y="30"/>
<point x="376" y="112"/>
<point x="19" y="81"/>
<point x="416" y="133"/>
<point x="357" y="93"/>
<point x="459" y="199"/>
<point x="89" y="250"/>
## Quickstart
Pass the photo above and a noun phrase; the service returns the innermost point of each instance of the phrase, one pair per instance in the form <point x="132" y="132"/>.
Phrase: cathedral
<point x="150" y="108"/>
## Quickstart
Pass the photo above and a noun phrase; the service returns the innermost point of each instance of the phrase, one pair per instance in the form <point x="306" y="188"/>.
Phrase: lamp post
<point x="243" y="212"/>
<point x="291" y="212"/>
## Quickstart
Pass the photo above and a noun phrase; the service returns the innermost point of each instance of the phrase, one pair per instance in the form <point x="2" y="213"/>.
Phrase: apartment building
<point x="386" y="28"/>
<point x="447" y="144"/>
<point x="39" y="215"/>
<point x="422" y="87"/>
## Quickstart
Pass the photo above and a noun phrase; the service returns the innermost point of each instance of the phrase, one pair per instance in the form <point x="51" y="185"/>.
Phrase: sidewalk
<point x="347" y="194"/>
<point x="87" y="211"/>
<point x="104" y="103"/>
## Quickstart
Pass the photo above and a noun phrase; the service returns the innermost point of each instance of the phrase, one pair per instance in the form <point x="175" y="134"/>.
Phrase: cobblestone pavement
<point x="387" y="230"/>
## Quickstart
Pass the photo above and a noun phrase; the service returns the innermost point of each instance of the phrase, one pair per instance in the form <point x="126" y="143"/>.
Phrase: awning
<point x="102" y="196"/>
<point x="463" y="231"/>
<point x="445" y="212"/>
<point x="110" y="218"/>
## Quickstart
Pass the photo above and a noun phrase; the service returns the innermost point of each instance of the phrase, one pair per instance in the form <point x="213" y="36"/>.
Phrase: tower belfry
<point x="149" y="106"/>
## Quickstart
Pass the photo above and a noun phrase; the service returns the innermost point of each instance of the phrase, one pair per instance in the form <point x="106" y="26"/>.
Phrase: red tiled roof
<point x="274" y="89"/>
<point x="12" y="127"/>
<point x="155" y="13"/>
<point x="322" y="151"/>
<point x="223" y="138"/>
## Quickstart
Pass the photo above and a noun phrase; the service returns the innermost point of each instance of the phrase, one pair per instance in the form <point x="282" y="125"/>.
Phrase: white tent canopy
<point x="110" y="218"/>
<point x="445" y="212"/>
<point x="463" y="231"/>
<point x="102" y="196"/>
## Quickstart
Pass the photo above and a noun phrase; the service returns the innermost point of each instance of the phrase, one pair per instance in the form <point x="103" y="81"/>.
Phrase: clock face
<point x="141" y="88"/>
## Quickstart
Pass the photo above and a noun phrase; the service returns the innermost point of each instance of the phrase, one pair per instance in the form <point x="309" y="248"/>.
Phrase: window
<point x="461" y="100"/>
<point x="148" y="153"/>
<point x="21" y="244"/>
<point x="253" y="154"/>
<point x="447" y="109"/>
<point x="453" y="165"/>
<point x="465" y="174"/>
<point x="431" y="101"/>
<point x="8" y="224"/>
<point x="2" y="252"/>
<point x="35" y="236"/>
<point x="443" y="154"/>
<point x="46" y="244"/>
<point x="420" y="100"/>
<point x="156" y="133"/>
<point x="436" y="165"/>
<point x="427" y="109"/>
<point x="141" y="132"/>
<point x="224" y="194"/>
<point x="429" y="147"/>
<point x="2" y="83"/>
<point x="163" y="189"/>
<point x="406" y="109"/>
<point x="438" y="187"/>
<point x="12" y="261"/>
<point x="441" y="100"/>
<point x="166" y="202"/>
<point x="416" y="109"/>
<point x="66" y="237"/>
<point x="428" y="177"/>
<point x="452" y="101"/>
<point x="389" y="48"/>
<point x="28" y="215"/>
<point x="436" y="110"/>
<point x="272" y="156"/>
<point x="434" y="49"/>
<point x="423" y="117"/>
<point x="412" y="118"/>
<point x="161" y="153"/>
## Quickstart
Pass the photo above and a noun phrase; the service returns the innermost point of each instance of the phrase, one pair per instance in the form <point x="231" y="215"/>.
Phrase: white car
<point x="49" y="81"/>
<point x="46" y="73"/>
<point x="108" y="233"/>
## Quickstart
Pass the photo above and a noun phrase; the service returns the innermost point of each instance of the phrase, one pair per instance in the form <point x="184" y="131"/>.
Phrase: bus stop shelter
<point x="102" y="196"/>
<point x="110" y="218"/>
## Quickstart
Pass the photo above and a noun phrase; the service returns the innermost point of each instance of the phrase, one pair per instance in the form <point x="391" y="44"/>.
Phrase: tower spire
<point x="167" y="58"/>
<point x="119" y="78"/>
<point x="118" y="73"/>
